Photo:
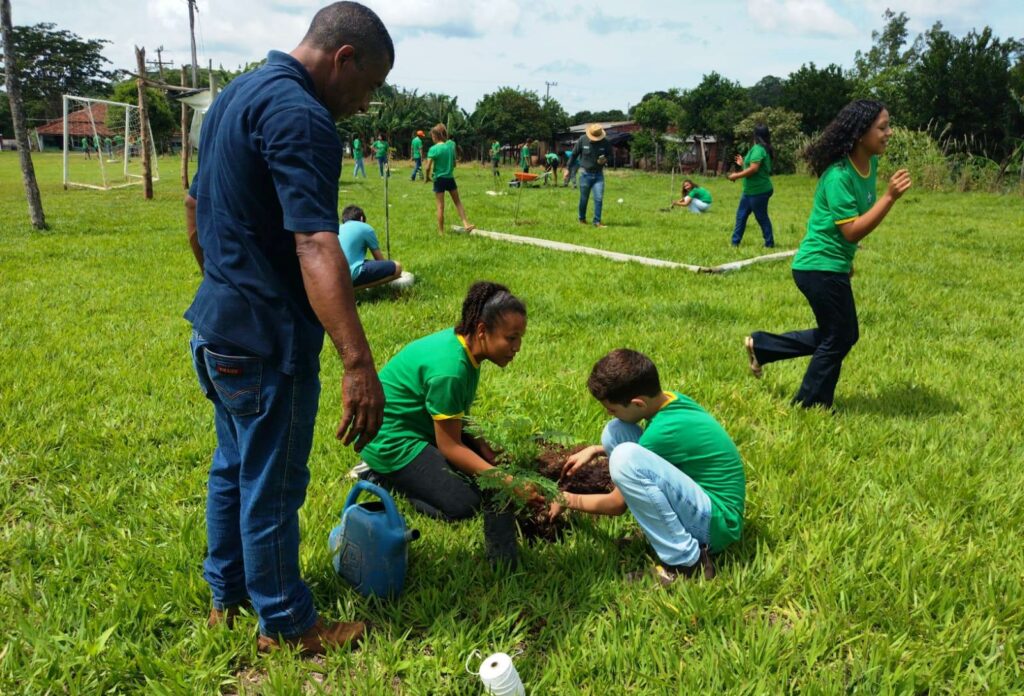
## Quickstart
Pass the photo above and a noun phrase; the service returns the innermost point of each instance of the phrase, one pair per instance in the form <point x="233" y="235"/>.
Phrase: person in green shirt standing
<point x="694" y="197"/>
<point x="524" y="156"/>
<point x="845" y="211"/>
<point x="417" y="156"/>
<point x="380" y="148"/>
<point x="441" y="168"/>
<point x="681" y="476"/>
<point x="495" y="159"/>
<point x="357" y="155"/>
<point x="422" y="450"/>
<point x="757" y="186"/>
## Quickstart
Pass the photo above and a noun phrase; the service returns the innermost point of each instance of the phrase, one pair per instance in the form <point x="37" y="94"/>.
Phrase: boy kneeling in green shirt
<point x="681" y="476"/>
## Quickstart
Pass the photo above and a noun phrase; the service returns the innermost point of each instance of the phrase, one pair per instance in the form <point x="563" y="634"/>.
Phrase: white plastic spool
<point x="499" y="675"/>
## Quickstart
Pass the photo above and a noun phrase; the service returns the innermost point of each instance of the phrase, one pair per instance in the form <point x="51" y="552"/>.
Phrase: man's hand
<point x="555" y="511"/>
<point x="362" y="399"/>
<point x="738" y="159"/>
<point x="898" y="184"/>
<point x="581" y="458"/>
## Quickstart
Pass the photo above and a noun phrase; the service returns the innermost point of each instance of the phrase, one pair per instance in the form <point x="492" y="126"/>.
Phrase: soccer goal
<point x="103" y="144"/>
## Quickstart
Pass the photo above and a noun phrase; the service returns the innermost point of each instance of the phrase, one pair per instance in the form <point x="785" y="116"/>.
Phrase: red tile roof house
<point x="79" y="126"/>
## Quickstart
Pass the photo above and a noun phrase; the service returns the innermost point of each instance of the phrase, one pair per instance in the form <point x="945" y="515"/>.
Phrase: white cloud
<point x="800" y="17"/>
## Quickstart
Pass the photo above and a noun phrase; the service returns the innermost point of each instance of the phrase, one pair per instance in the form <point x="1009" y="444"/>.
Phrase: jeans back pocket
<point x="237" y="379"/>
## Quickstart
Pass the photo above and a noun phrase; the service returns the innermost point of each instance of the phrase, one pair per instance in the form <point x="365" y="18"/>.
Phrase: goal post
<point x="102" y="144"/>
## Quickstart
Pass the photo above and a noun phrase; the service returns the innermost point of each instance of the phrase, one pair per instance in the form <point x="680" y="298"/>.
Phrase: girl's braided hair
<point x="486" y="302"/>
<point x="841" y="135"/>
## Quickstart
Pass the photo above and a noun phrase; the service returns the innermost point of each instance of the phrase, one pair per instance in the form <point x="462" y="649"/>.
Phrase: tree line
<point x="967" y="90"/>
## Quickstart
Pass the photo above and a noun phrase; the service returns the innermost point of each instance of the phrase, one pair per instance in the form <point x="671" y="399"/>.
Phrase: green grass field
<point x="882" y="545"/>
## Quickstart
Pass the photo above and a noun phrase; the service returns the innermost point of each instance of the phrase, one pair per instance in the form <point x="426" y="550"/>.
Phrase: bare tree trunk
<point x="186" y="146"/>
<point x="28" y="172"/>
<point x="147" y="163"/>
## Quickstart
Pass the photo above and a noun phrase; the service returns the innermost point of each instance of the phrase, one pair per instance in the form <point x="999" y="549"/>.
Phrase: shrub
<point x="787" y="139"/>
<point x="918" y="152"/>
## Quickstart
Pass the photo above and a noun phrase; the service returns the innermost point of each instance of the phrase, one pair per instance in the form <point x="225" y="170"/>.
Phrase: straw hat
<point x="595" y="132"/>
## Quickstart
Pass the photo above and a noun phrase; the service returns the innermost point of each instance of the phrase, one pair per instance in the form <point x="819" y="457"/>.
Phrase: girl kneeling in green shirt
<point x="421" y="450"/>
<point x="845" y="211"/>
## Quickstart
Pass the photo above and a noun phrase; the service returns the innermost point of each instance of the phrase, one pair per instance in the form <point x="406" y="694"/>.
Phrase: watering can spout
<point x="412" y="535"/>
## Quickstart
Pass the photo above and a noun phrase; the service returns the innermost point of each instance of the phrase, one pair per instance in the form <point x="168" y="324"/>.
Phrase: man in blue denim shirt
<point x="262" y="218"/>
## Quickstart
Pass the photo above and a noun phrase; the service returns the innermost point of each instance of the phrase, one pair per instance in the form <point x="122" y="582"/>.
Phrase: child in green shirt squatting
<point x="681" y="476"/>
<point x="441" y="168"/>
<point x="697" y="199"/>
<point x="421" y="450"/>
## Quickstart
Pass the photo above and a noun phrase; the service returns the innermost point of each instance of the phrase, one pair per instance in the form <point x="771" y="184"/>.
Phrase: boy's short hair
<point x="353" y="212"/>
<point x="439" y="132"/>
<point x="623" y="375"/>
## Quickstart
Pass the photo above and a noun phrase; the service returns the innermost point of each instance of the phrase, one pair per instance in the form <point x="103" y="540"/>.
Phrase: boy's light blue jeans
<point x="673" y="511"/>
<point x="590" y="181"/>
<point x="358" y="167"/>
<point x="258" y="478"/>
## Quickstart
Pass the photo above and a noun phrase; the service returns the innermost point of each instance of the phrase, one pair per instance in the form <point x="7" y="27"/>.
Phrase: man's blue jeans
<point x="590" y="181"/>
<point x="359" y="167"/>
<point x="673" y="511"/>
<point x="417" y="168"/>
<point x="758" y="205"/>
<point x="381" y="161"/>
<point x="257" y="483"/>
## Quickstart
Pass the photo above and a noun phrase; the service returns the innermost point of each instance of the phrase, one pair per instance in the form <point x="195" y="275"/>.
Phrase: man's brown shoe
<point x="318" y="638"/>
<point x="227" y="615"/>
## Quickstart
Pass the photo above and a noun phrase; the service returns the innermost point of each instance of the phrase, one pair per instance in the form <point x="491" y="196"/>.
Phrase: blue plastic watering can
<point x="370" y="548"/>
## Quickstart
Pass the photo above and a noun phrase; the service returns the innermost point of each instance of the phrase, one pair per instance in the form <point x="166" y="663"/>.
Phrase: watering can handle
<point x="394" y="518"/>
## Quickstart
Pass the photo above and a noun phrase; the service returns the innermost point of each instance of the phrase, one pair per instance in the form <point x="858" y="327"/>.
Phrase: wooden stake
<point x="147" y="161"/>
<point x="13" y="87"/>
<point x="186" y="146"/>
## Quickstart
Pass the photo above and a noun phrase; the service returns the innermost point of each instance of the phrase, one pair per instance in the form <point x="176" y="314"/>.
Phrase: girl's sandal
<point x="755" y="366"/>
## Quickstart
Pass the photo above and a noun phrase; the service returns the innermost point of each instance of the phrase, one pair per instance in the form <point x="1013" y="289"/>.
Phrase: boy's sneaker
<point x="359" y="471"/>
<point x="667" y="574"/>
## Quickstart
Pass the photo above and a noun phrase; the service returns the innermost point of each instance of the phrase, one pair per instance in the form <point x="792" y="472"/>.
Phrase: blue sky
<point x="602" y="55"/>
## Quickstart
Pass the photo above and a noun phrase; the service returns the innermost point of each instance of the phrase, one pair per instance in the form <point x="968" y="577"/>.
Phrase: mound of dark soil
<point x="593" y="478"/>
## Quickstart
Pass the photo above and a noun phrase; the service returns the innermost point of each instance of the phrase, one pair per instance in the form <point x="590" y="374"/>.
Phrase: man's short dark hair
<point x="623" y="375"/>
<point x="349" y="23"/>
<point x="353" y="212"/>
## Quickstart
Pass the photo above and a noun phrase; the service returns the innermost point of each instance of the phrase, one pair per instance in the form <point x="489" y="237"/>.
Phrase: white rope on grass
<point x="625" y="258"/>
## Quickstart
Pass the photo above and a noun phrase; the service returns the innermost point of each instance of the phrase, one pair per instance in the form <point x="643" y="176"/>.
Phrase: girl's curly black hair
<point x="840" y="136"/>
<point x="486" y="302"/>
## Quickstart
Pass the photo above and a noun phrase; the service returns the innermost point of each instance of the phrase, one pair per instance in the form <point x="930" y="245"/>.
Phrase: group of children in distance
<point x="681" y="475"/>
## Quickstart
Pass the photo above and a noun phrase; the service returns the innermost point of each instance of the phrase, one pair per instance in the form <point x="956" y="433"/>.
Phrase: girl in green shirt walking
<point x="757" y="186"/>
<point x="845" y="211"/>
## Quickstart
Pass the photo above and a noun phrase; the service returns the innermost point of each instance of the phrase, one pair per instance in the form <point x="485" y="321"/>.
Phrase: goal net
<point x="103" y="144"/>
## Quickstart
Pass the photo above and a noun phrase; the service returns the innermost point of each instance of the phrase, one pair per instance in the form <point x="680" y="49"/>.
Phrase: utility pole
<point x="547" y="91"/>
<point x="192" y="9"/>
<point x="159" y="62"/>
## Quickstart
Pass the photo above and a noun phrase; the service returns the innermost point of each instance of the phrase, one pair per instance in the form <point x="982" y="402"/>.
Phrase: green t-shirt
<point x="495" y="151"/>
<point x="357" y="148"/>
<point x="701" y="194"/>
<point x="551" y="158"/>
<point x="524" y="156"/>
<point x="432" y="378"/>
<point x="843" y="194"/>
<point x="443" y="155"/>
<point x="381" y="148"/>
<point x="689" y="438"/>
<point x="417" y="147"/>
<point x="761" y="181"/>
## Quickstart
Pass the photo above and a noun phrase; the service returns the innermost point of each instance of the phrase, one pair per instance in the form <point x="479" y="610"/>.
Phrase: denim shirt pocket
<point x="237" y="380"/>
